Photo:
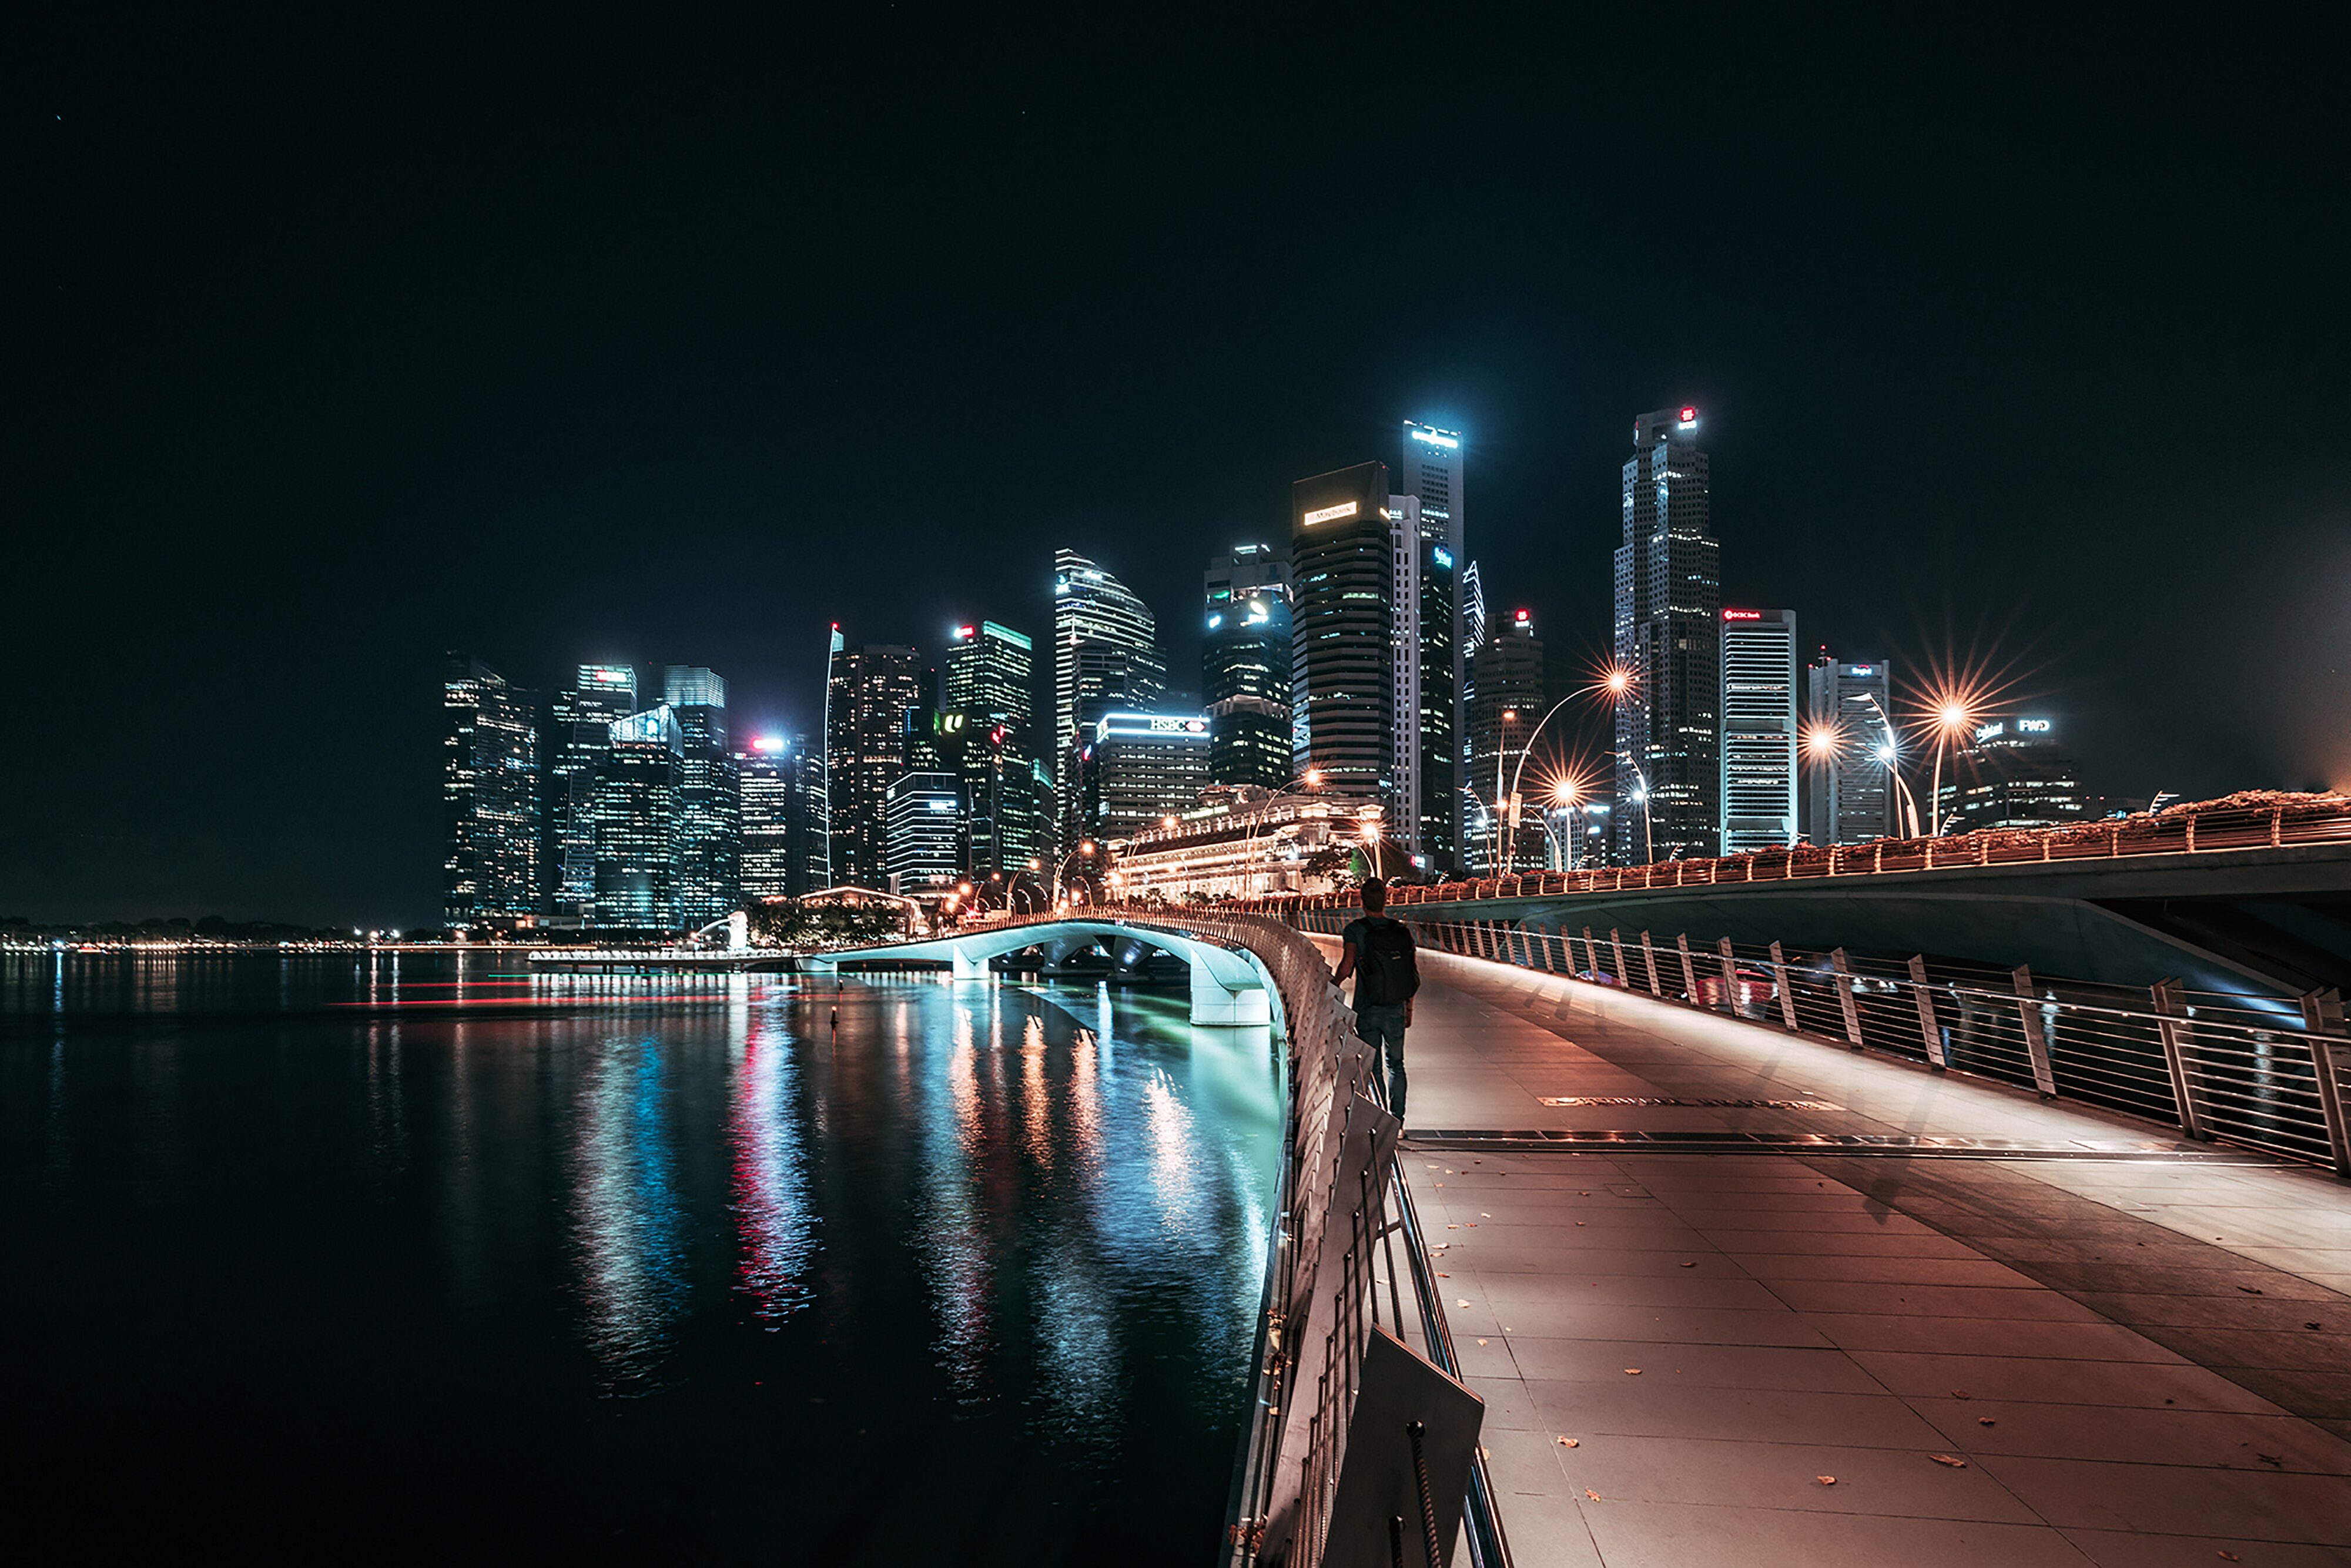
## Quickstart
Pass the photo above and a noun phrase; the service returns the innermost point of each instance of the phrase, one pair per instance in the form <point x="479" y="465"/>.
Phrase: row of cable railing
<point x="2267" y="1074"/>
<point x="1347" y="1261"/>
<point x="2317" y="820"/>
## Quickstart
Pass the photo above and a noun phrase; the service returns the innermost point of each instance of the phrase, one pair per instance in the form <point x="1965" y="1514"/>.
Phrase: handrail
<point x="2217" y="828"/>
<point x="2272" y="1073"/>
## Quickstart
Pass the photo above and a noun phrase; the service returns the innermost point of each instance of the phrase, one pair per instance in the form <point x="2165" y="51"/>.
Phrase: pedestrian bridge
<point x="1229" y="983"/>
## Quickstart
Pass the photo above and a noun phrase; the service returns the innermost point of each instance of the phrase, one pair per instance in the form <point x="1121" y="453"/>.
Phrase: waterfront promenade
<point x="2121" y="1351"/>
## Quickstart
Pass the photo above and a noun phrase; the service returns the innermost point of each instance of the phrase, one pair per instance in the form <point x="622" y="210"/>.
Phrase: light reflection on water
<point x="643" y="1259"/>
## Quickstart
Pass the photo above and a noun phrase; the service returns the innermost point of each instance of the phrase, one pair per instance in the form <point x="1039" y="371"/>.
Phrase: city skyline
<point x="410" y="380"/>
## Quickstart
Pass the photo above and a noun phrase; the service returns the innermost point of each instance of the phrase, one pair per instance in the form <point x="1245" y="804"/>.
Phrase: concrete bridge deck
<point x="2139" y="1356"/>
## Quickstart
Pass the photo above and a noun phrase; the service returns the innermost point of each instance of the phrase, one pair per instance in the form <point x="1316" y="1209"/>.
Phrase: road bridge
<point x="2244" y="899"/>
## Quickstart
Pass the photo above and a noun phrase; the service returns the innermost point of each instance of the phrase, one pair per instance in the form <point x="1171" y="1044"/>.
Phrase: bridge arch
<point x="1229" y="985"/>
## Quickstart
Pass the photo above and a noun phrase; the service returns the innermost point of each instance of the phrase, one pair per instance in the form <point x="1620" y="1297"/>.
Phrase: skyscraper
<point x="988" y="675"/>
<point x="1512" y="692"/>
<point x="636" y="822"/>
<point x="490" y="797"/>
<point x="1244" y="664"/>
<point x="1105" y="655"/>
<point x="923" y="834"/>
<point x="1139" y="768"/>
<point x="1759" y="729"/>
<point x="1668" y="579"/>
<point x="709" y="837"/>
<point x="2012" y="773"/>
<point x="1343" y="671"/>
<point x="1850" y="702"/>
<point x="783" y="795"/>
<point x="579" y="732"/>
<point x="868" y="694"/>
<point x="1431" y="473"/>
<point x="987" y="681"/>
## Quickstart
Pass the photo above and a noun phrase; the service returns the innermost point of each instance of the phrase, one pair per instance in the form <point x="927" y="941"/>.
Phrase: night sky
<point x="341" y="337"/>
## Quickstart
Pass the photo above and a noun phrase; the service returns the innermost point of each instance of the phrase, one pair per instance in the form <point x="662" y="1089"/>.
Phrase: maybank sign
<point x="1329" y="513"/>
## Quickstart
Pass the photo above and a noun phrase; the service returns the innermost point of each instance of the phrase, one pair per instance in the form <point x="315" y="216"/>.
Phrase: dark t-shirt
<point x="1355" y="936"/>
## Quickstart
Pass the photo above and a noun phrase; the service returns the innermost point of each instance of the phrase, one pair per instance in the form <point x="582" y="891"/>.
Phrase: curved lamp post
<point x="1310" y="779"/>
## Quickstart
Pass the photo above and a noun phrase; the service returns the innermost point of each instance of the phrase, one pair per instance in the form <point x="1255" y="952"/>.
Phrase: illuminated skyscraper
<point x="783" y="797"/>
<point x="579" y="732"/>
<point x="869" y="692"/>
<point x="1759" y="729"/>
<point x="1139" y="768"/>
<point x="1105" y="655"/>
<point x="1848" y="799"/>
<point x="1513" y="693"/>
<point x="1343" y="673"/>
<point x="1244" y="664"/>
<point x="636" y="822"/>
<point x="1669" y="580"/>
<point x="489" y="796"/>
<point x="923" y="819"/>
<point x="988" y="675"/>
<point x="2012" y="773"/>
<point x="1431" y="473"/>
<point x="709" y="839"/>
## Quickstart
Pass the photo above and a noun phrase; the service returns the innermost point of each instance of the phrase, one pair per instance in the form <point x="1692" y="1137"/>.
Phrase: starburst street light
<point x="1952" y="710"/>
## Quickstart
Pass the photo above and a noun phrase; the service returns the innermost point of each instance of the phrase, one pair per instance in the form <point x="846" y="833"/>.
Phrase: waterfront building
<point x="1849" y="797"/>
<point x="1245" y="665"/>
<point x="1242" y="841"/>
<point x="869" y="691"/>
<point x="1669" y="597"/>
<point x="1510" y="681"/>
<point x="1759" y="729"/>
<point x="923" y="852"/>
<point x="1138" y="768"/>
<point x="2012" y="773"/>
<point x="489" y="798"/>
<point x="1432" y="472"/>
<point x="635" y="803"/>
<point x="580" y="722"/>
<point x="1105" y="655"/>
<point x="709" y="834"/>
<point x="1342" y="676"/>
<point x="783" y="795"/>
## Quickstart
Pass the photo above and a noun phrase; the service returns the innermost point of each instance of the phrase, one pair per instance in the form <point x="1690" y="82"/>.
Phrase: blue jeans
<point x="1382" y="1028"/>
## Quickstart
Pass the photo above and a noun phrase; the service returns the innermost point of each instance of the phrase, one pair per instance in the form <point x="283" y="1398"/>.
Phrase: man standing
<point x="1378" y="953"/>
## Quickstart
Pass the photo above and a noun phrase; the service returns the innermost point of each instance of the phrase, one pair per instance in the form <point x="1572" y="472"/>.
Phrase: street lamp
<point x="1641" y="799"/>
<point x="1371" y="837"/>
<point x="1085" y="848"/>
<point x="1511" y="842"/>
<point x="1953" y="715"/>
<point x="1566" y="792"/>
<point x="1310" y="779"/>
<point x="1890" y="753"/>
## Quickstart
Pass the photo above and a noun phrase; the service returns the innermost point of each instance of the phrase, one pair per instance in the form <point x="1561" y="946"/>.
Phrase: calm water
<point x="630" y="1268"/>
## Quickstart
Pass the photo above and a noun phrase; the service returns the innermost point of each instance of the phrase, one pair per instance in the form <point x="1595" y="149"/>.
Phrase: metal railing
<point x="2180" y="831"/>
<point x="2266" y="1074"/>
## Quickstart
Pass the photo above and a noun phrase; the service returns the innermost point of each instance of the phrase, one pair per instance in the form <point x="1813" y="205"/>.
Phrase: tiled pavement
<point x="2119" y="1353"/>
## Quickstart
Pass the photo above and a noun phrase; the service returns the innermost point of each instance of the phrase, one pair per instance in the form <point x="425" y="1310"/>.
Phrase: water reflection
<point x="628" y="1232"/>
<point x="774" y="1225"/>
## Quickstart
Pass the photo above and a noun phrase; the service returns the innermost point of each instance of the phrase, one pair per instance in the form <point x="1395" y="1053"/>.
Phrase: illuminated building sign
<point x="1524" y="615"/>
<point x="1434" y="439"/>
<point x="612" y="678"/>
<point x="767" y="743"/>
<point x="1742" y="616"/>
<point x="1689" y="418"/>
<point x="1215" y="621"/>
<point x="939" y="804"/>
<point x="964" y="632"/>
<point x="1860" y="669"/>
<point x="2032" y="726"/>
<point x="1990" y="731"/>
<point x="950" y="723"/>
<point x="1442" y="557"/>
<point x="1140" y="723"/>
<point x="1329" y="513"/>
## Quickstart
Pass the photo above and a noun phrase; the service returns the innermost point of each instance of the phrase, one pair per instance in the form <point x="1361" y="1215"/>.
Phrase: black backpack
<point x="1386" y="971"/>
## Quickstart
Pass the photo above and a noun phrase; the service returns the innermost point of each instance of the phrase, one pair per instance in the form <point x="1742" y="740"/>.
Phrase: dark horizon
<point x="342" y="340"/>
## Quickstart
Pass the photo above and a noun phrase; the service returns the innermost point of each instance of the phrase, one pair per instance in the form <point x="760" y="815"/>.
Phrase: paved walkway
<point x="2135" y="1363"/>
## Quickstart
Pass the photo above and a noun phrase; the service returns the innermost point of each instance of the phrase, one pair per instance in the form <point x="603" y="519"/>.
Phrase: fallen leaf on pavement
<point x="1464" y="1301"/>
<point x="2250" y="1290"/>
<point x="1632" y="1372"/>
<point x="2230" y="1557"/>
<point x="1951" y="1459"/>
<point x="2310" y="1325"/>
<point x="1590" y="1493"/>
<point x="1570" y="1442"/>
<point x="1825" y="1481"/>
<point x="1958" y="1393"/>
<point x="1481" y="1341"/>
<point x="1689" y="1265"/>
<point x="2271" y="1459"/>
<point x="1986" y="1421"/>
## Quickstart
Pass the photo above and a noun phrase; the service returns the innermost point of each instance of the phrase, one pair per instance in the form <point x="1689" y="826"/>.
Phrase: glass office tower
<point x="636" y="822"/>
<point x="869" y="692"/>
<point x="709" y="838"/>
<point x="1343" y="577"/>
<point x="490" y="797"/>
<point x="1245" y="665"/>
<point x="1759" y="729"/>
<point x="1849" y="797"/>
<point x="1432" y="472"/>
<point x="1668" y="589"/>
<point x="1105" y="655"/>
<point x="579" y="727"/>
